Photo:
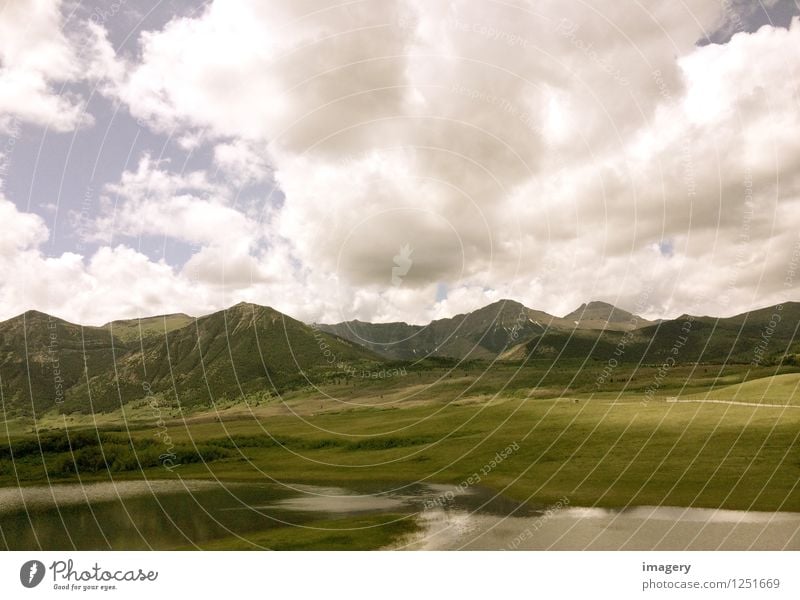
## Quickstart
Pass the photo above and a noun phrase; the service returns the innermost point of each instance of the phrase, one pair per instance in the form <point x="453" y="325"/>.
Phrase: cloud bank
<point x="549" y="152"/>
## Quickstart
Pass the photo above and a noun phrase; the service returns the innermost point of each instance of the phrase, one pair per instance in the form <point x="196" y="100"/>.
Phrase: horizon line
<point x="311" y="323"/>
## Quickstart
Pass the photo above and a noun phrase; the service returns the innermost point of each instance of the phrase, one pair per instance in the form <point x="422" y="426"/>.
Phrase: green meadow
<point x="609" y="445"/>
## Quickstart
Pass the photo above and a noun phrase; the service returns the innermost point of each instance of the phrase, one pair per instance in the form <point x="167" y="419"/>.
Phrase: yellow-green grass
<point x="778" y="389"/>
<point x="135" y="329"/>
<point x="478" y="382"/>
<point x="610" y="448"/>
<point x="593" y="452"/>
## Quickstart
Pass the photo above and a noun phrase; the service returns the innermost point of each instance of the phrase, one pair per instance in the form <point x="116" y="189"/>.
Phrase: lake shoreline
<point x="471" y="519"/>
<point x="533" y="503"/>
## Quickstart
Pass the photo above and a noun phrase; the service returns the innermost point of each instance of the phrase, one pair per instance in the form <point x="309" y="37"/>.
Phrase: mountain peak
<point x="35" y="316"/>
<point x="502" y="305"/>
<point x="602" y="315"/>
<point x="597" y="304"/>
<point x="245" y="305"/>
<point x="250" y="308"/>
<point x="248" y="314"/>
<point x="154" y="318"/>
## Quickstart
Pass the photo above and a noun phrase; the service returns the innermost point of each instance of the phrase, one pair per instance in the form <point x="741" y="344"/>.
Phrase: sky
<point x="397" y="161"/>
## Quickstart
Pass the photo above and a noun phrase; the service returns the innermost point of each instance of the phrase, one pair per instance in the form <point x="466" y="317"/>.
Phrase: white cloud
<point x="183" y="206"/>
<point x="241" y="162"/>
<point x="218" y="53"/>
<point x="115" y="282"/>
<point x="38" y="57"/>
<point x="490" y="137"/>
<point x="542" y="153"/>
<point x="228" y="250"/>
<point x="21" y="231"/>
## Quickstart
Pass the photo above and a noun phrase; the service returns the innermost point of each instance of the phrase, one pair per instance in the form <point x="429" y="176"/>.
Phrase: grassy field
<point x="137" y="329"/>
<point x="613" y="447"/>
<point x="594" y="453"/>
<point x="780" y="389"/>
<point x="422" y="384"/>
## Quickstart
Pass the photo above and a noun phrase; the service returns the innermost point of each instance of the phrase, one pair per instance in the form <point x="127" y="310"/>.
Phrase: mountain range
<point x="46" y="362"/>
<point x="484" y="333"/>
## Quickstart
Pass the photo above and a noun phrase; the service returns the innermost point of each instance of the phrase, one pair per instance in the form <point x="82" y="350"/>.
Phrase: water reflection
<point x="641" y="528"/>
<point x="137" y="515"/>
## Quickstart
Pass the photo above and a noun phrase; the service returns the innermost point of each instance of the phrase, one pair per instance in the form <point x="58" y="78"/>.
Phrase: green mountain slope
<point x="484" y="333"/>
<point x="147" y="327"/>
<point x="47" y="362"/>
<point x="600" y="331"/>
<point x="243" y="349"/>
<point x="43" y="357"/>
<point x="601" y="315"/>
<point x="746" y="338"/>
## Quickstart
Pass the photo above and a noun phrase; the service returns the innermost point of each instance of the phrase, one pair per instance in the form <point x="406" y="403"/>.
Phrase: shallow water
<point x="135" y="515"/>
<point x="38" y="496"/>
<point x="162" y="514"/>
<point x="641" y="528"/>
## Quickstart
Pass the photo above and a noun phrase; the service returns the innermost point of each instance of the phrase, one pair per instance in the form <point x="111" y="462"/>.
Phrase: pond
<point x="160" y="514"/>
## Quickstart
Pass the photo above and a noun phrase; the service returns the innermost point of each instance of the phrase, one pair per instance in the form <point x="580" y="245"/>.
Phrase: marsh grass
<point x="607" y="448"/>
